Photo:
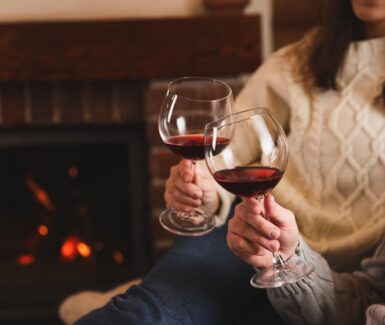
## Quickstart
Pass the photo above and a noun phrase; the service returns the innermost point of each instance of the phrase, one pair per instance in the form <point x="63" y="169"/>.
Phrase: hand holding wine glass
<point x="252" y="237"/>
<point x="251" y="165"/>
<point x="189" y="104"/>
<point x="186" y="190"/>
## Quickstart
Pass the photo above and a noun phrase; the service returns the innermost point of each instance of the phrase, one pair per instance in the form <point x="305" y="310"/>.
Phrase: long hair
<point x="339" y="26"/>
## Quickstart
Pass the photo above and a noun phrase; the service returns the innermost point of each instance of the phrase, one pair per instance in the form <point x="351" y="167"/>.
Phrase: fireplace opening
<point x="72" y="214"/>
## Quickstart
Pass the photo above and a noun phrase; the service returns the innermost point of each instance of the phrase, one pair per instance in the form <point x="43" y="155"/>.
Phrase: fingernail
<point x="274" y="234"/>
<point x="273" y="245"/>
<point x="196" y="195"/>
<point x="197" y="203"/>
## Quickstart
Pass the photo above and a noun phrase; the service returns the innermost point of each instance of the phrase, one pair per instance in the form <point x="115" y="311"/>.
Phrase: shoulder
<point x="286" y="63"/>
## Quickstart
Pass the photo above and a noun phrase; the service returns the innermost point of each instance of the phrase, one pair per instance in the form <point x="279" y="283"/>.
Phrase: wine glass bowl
<point x="189" y="104"/>
<point x="250" y="165"/>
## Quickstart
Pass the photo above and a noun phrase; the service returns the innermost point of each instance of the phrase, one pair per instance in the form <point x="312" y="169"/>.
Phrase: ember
<point x="25" y="259"/>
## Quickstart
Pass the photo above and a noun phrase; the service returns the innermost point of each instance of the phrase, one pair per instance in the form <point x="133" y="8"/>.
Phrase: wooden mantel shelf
<point x="131" y="49"/>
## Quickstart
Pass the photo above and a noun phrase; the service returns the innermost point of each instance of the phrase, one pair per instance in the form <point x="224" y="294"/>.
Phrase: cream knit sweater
<point x="335" y="180"/>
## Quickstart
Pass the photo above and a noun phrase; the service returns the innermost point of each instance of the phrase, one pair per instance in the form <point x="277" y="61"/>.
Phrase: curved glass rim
<point x="257" y="110"/>
<point x="173" y="82"/>
<point x="231" y="116"/>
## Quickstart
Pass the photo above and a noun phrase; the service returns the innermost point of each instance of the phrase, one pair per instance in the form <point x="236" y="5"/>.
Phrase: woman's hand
<point x="186" y="190"/>
<point x="253" y="238"/>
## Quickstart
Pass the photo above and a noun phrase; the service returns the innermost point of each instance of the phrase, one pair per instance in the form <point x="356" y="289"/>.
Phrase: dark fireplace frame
<point x="25" y="293"/>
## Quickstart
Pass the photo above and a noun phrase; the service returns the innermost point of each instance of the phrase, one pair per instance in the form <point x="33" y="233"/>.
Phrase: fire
<point x="84" y="250"/>
<point x="40" y="194"/>
<point x="74" y="247"/>
<point x="26" y="259"/>
<point x="118" y="257"/>
<point x="68" y="249"/>
<point x="43" y="230"/>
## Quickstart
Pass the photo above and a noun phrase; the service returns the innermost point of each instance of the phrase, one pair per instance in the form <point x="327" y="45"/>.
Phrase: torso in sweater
<point x="335" y="180"/>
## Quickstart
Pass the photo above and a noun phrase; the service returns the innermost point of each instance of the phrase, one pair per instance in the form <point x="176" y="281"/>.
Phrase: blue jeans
<point x="198" y="281"/>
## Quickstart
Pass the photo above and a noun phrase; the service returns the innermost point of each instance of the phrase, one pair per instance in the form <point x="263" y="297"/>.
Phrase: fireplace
<point x="73" y="196"/>
<point x="72" y="214"/>
<point x="82" y="165"/>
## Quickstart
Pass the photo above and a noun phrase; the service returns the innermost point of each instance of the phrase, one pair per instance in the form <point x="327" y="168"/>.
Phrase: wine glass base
<point x="198" y="222"/>
<point x="273" y="277"/>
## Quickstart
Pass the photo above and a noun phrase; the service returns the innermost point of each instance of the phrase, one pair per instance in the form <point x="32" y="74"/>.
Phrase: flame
<point x="74" y="247"/>
<point x="43" y="230"/>
<point x="40" y="194"/>
<point x="118" y="257"/>
<point x="84" y="250"/>
<point x="26" y="259"/>
<point x="68" y="249"/>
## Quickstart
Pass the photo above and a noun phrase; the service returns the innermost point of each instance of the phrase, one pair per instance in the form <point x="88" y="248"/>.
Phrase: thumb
<point x="276" y="213"/>
<point x="186" y="170"/>
<point x="200" y="179"/>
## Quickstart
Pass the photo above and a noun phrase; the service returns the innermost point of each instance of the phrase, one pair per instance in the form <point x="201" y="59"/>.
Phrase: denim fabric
<point x="199" y="281"/>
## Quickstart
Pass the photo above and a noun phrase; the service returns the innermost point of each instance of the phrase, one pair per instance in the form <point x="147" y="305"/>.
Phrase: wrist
<point x="288" y="253"/>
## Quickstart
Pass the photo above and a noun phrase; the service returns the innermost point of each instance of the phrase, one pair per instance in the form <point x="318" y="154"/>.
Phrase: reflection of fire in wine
<point x="248" y="181"/>
<point x="192" y="146"/>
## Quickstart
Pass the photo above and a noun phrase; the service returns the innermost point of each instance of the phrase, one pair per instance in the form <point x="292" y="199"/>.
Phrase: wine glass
<point x="251" y="165"/>
<point x="189" y="104"/>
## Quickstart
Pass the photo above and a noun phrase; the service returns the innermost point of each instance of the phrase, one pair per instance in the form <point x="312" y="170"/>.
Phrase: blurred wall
<point x="23" y="10"/>
<point x="283" y="21"/>
<point x="64" y="10"/>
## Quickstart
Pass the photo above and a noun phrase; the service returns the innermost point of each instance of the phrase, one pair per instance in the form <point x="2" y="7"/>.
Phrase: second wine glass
<point x="251" y="165"/>
<point x="189" y="104"/>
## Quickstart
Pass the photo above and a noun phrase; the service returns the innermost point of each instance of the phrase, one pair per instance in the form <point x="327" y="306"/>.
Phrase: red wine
<point x="248" y="181"/>
<point x="192" y="147"/>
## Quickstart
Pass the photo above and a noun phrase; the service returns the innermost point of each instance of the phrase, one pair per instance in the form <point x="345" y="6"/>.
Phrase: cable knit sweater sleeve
<point x="327" y="297"/>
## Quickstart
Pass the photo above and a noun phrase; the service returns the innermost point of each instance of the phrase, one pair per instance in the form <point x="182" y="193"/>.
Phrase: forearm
<point x="324" y="297"/>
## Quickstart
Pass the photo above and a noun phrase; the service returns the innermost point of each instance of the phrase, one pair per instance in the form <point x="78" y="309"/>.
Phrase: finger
<point x="188" y="189"/>
<point x="254" y="205"/>
<point x="244" y="230"/>
<point x="276" y="213"/>
<point x="185" y="170"/>
<point x="182" y="197"/>
<point x="260" y="224"/>
<point x="247" y="212"/>
<point x="203" y="182"/>
<point x="172" y="203"/>
<point x="242" y="245"/>
<point x="203" y="178"/>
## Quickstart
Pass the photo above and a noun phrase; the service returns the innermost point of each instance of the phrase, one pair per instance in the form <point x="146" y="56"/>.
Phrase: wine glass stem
<point x="278" y="261"/>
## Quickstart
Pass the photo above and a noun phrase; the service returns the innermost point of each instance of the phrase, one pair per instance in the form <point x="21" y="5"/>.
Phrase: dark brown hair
<point x="339" y="26"/>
